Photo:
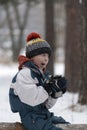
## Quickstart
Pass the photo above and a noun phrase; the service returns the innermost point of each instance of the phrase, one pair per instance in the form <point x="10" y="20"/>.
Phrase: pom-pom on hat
<point x="36" y="45"/>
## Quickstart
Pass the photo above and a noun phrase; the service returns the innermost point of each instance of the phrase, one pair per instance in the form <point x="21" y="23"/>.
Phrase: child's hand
<point x="61" y="82"/>
<point x="56" y="86"/>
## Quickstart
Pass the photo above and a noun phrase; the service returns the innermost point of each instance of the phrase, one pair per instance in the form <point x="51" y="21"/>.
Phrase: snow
<point x="66" y="106"/>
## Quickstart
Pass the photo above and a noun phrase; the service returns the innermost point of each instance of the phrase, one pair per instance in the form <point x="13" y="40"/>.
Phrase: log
<point x="19" y="126"/>
<point x="73" y="126"/>
<point x="11" y="126"/>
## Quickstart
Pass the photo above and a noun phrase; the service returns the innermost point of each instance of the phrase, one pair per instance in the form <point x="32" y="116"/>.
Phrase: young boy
<point x="33" y="91"/>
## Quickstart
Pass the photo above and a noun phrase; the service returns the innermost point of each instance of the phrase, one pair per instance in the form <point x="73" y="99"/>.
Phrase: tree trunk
<point x="76" y="48"/>
<point x="73" y="34"/>
<point x="49" y="28"/>
<point x="83" y="56"/>
<point x="17" y="43"/>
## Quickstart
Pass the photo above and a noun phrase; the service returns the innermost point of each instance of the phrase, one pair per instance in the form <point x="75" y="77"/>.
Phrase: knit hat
<point x="36" y="45"/>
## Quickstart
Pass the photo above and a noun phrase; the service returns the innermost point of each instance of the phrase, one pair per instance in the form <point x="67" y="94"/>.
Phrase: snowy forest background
<point x="63" y="23"/>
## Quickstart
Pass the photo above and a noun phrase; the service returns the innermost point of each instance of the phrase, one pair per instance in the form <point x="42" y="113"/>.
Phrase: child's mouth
<point x="42" y="64"/>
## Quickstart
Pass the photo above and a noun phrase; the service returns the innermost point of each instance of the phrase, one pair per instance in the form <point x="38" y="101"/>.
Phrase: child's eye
<point x="44" y="54"/>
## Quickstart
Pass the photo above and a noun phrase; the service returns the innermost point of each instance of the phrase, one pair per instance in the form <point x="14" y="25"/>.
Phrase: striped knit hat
<point x="36" y="45"/>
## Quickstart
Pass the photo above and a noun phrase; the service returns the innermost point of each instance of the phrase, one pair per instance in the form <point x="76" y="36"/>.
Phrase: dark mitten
<point x="59" y="86"/>
<point x="47" y="87"/>
<point x="62" y="83"/>
<point x="52" y="88"/>
<point x="55" y="86"/>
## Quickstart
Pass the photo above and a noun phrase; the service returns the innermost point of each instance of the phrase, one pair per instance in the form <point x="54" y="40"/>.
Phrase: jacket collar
<point x="24" y="61"/>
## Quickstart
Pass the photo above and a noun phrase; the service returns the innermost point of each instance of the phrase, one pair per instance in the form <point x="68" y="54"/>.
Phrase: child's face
<point x="41" y="60"/>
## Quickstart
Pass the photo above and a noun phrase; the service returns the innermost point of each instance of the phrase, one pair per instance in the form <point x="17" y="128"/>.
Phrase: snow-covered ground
<point x="64" y="106"/>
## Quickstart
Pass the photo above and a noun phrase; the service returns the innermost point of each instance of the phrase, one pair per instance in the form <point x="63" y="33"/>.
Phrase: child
<point x="33" y="91"/>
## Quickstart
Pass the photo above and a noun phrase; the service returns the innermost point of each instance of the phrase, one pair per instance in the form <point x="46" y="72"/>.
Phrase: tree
<point x="17" y="43"/>
<point x="49" y="30"/>
<point x="83" y="54"/>
<point x="76" y="48"/>
<point x="72" y="44"/>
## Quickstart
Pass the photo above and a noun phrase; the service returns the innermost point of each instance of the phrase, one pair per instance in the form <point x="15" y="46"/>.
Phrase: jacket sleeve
<point x="26" y="89"/>
<point x="50" y="102"/>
